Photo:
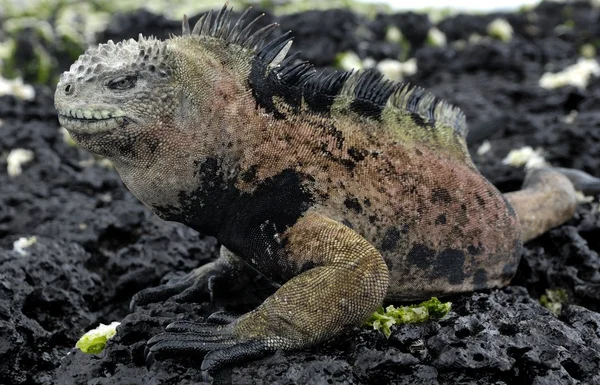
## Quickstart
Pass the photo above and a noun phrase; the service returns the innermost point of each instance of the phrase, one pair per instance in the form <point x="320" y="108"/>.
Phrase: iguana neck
<point x="190" y="178"/>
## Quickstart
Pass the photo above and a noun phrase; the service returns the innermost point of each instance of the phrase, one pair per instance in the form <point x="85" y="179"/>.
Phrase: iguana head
<point x="115" y="92"/>
<point x="166" y="111"/>
<point x="116" y="96"/>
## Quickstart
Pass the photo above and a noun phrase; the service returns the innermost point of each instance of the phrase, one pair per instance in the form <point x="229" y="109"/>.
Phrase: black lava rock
<point x="97" y="245"/>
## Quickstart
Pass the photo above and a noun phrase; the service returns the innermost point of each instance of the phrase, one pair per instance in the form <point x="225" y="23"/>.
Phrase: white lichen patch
<point x="94" y="341"/>
<point x="22" y="243"/>
<point x="475" y="38"/>
<point x="500" y="29"/>
<point x="570" y="117"/>
<point x="436" y="38"/>
<point x="393" y="35"/>
<point x="526" y="156"/>
<point x="106" y="163"/>
<point x="484" y="148"/>
<point x="17" y="88"/>
<point x="582" y="198"/>
<point x="369" y="62"/>
<point x="587" y="51"/>
<point x="396" y="70"/>
<point x="578" y="75"/>
<point x="349" y="60"/>
<point x="81" y="22"/>
<point x="15" y="160"/>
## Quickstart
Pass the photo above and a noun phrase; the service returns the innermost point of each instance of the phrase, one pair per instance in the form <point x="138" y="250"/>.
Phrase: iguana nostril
<point x="69" y="89"/>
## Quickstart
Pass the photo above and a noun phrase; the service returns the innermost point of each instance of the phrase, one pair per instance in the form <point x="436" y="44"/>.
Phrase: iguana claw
<point x="189" y="288"/>
<point x="217" y="342"/>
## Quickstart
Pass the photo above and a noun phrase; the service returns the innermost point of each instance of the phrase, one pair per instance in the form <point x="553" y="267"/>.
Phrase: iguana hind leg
<point x="227" y="271"/>
<point x="547" y="199"/>
<point x="339" y="281"/>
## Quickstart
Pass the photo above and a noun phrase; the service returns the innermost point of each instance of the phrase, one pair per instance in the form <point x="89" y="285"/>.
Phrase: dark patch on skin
<point x="357" y="154"/>
<point x="212" y="185"/>
<point x="324" y="150"/>
<point x="350" y="165"/>
<point x="254" y="221"/>
<point x="480" y="200"/>
<point x="372" y="219"/>
<point x="404" y="229"/>
<point x="339" y="139"/>
<point x="421" y="256"/>
<point x="353" y="204"/>
<point x="441" y="219"/>
<point x="367" y="202"/>
<point x="450" y="263"/>
<point x="440" y="195"/>
<point x="472" y="250"/>
<point x="307" y="266"/>
<point x="248" y="224"/>
<point x="127" y="148"/>
<point x="390" y="239"/>
<point x="480" y="279"/>
<point x="152" y="144"/>
<point x="249" y="175"/>
<point x="126" y="145"/>
<point x="348" y="224"/>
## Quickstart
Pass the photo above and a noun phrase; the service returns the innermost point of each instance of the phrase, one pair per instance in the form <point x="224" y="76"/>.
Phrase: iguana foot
<point x="183" y="289"/>
<point x="198" y="283"/>
<point x="218" y="340"/>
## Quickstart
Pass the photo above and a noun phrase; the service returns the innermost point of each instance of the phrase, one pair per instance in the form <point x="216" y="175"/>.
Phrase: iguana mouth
<point x="88" y="121"/>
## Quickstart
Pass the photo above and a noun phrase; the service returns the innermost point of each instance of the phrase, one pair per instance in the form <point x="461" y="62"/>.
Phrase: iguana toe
<point x="226" y="273"/>
<point x="189" y="288"/>
<point x="220" y="317"/>
<point x="217" y="342"/>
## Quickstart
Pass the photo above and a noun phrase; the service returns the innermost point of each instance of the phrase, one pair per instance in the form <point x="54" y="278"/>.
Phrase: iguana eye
<point x="122" y="82"/>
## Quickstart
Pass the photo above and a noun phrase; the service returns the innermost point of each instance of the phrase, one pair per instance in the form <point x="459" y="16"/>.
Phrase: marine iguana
<point x="345" y="188"/>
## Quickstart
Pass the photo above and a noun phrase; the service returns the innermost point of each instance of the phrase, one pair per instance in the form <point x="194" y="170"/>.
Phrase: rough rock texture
<point x="97" y="245"/>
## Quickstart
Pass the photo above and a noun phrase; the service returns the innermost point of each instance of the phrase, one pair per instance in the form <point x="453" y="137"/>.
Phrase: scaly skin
<point x="346" y="190"/>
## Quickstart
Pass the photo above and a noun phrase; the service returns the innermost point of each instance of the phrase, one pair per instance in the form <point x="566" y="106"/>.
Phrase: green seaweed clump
<point x="554" y="299"/>
<point x="94" y="341"/>
<point x="432" y="309"/>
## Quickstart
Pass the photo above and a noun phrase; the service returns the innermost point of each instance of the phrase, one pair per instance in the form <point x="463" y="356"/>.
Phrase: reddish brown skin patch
<point x="408" y="187"/>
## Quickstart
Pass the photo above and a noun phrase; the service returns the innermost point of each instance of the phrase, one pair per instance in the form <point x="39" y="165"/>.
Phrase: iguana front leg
<point x="340" y="279"/>
<point x="227" y="271"/>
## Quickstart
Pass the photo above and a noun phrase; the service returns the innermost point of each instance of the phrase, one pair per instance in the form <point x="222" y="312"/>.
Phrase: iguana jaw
<point x="91" y="121"/>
